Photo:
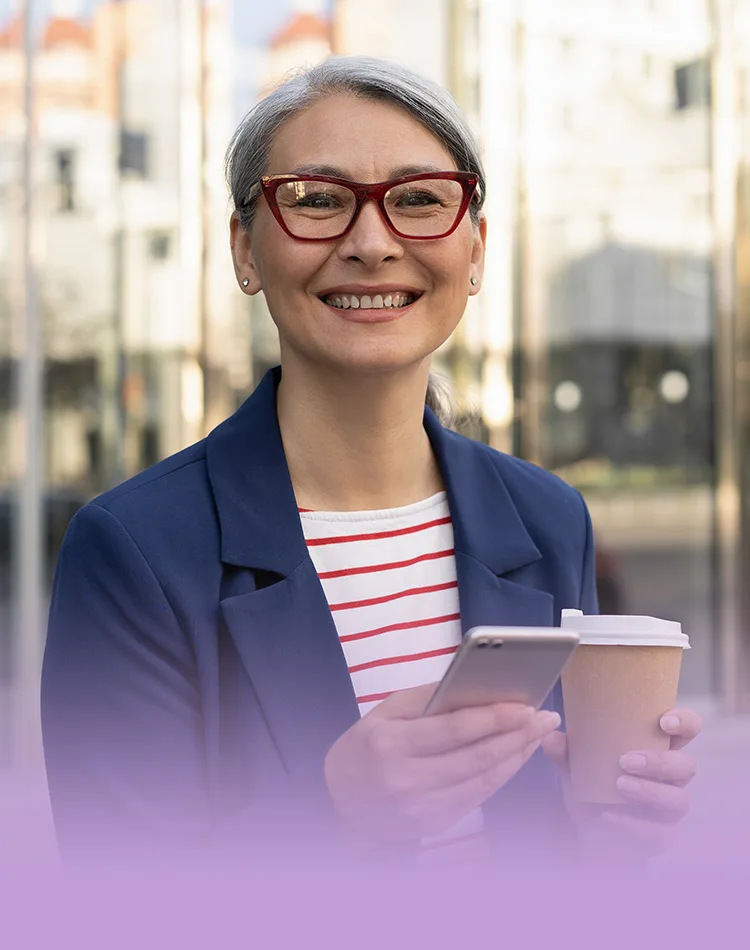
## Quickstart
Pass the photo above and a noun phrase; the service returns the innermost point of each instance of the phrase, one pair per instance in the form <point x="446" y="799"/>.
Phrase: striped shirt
<point x="390" y="580"/>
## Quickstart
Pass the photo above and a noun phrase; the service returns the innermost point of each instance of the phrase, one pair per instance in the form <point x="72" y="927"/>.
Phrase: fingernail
<point x="633" y="762"/>
<point x="549" y="720"/>
<point x="628" y="785"/>
<point x="669" y="723"/>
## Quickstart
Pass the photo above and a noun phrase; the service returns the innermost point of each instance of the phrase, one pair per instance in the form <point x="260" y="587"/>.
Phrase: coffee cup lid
<point x="602" y="630"/>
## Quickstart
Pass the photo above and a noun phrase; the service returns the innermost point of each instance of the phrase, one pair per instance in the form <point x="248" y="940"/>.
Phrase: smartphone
<point x="503" y="664"/>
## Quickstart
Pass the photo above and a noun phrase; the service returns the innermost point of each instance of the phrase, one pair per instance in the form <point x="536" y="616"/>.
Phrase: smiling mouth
<point x="395" y="301"/>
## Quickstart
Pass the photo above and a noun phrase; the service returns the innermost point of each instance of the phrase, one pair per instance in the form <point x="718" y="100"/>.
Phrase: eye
<point x="319" y="200"/>
<point x="417" y="199"/>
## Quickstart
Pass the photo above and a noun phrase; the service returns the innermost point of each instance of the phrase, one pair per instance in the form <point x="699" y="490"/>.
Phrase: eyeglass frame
<point x="270" y="184"/>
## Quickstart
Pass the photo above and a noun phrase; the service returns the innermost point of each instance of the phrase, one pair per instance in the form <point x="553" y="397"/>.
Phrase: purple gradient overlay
<point x="299" y="892"/>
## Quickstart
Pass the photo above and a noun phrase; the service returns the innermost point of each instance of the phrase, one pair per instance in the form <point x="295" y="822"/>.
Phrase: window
<point x="159" y="245"/>
<point x="134" y="153"/>
<point x="693" y="84"/>
<point x="65" y="179"/>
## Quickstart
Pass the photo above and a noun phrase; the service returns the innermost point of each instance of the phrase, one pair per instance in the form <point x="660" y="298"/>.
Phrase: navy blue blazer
<point x="193" y="679"/>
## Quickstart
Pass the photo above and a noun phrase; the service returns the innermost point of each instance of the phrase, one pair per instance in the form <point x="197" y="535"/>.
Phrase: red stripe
<point x="391" y="660"/>
<point x="407" y="625"/>
<point x="375" y="536"/>
<point x="352" y="604"/>
<point x="376" y="697"/>
<point x="394" y="565"/>
<point x="306" y="511"/>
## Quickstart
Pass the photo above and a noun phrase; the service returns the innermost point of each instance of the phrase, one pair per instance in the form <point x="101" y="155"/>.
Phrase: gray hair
<point x="367" y="78"/>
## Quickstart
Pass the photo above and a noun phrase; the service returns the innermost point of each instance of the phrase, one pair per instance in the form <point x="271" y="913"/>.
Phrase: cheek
<point x="287" y="267"/>
<point x="450" y="264"/>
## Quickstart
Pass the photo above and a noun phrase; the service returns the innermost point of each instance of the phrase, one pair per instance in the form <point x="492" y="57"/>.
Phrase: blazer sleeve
<point x="121" y="715"/>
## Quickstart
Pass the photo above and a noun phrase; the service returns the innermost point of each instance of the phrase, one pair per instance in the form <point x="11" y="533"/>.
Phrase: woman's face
<point x="368" y="142"/>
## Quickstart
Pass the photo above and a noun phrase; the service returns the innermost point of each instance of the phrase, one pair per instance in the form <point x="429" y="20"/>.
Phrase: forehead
<point x="359" y="139"/>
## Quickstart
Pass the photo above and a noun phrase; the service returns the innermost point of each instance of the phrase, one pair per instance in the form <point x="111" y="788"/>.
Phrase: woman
<point x="242" y="638"/>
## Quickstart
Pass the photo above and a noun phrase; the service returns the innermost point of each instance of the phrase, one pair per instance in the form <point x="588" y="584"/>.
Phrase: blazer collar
<point x="259" y="521"/>
<point x="258" y="517"/>
<point x="486" y="522"/>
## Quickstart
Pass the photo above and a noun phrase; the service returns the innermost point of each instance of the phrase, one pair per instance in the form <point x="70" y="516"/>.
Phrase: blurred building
<point x="303" y="40"/>
<point x="144" y="337"/>
<point x="614" y="306"/>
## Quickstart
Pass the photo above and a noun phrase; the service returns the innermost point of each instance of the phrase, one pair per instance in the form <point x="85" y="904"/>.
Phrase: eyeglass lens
<point x="319" y="209"/>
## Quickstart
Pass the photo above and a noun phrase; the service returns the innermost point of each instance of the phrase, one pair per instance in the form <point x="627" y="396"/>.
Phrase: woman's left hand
<point x="656" y="781"/>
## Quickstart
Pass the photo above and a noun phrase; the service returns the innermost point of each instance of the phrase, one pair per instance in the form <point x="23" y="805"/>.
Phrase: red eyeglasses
<point x="419" y="207"/>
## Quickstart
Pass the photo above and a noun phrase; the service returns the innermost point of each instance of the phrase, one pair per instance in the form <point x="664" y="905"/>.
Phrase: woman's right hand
<point x="399" y="775"/>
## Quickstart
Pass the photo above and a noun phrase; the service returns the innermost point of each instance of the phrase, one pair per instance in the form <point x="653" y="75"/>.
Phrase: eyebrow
<point x="333" y="171"/>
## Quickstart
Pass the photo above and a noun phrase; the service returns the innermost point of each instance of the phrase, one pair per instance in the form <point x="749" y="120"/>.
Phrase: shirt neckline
<point x="378" y="514"/>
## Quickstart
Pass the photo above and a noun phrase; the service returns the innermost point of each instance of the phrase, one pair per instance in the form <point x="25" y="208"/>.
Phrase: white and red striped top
<point x="390" y="580"/>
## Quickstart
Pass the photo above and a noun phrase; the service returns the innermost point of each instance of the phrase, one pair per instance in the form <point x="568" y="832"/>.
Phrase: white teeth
<point x="365" y="302"/>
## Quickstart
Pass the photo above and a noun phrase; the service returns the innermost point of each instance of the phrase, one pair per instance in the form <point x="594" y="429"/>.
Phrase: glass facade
<point x="614" y="344"/>
<point x="596" y="349"/>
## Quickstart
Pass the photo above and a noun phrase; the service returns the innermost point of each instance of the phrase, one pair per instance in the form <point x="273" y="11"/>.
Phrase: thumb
<point x="555" y="747"/>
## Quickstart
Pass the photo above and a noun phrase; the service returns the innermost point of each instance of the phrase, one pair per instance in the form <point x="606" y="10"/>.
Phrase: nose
<point x="370" y="239"/>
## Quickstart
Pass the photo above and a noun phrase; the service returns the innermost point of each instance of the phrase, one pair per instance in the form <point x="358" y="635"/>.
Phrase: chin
<point x="367" y="364"/>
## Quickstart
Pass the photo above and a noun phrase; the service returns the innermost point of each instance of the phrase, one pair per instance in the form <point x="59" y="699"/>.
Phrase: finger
<point x="432" y="735"/>
<point x="555" y="747"/>
<point x="668" y="802"/>
<point x="648" y="837"/>
<point x="464" y="764"/>
<point x="683" y="725"/>
<point x="669" y="768"/>
<point x="441" y="807"/>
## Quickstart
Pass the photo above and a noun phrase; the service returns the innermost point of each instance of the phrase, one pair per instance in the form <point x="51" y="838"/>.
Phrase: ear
<point x="242" y="256"/>
<point x="478" y="250"/>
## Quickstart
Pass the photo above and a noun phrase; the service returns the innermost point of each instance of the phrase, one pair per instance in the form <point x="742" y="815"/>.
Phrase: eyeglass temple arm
<point x="251" y="195"/>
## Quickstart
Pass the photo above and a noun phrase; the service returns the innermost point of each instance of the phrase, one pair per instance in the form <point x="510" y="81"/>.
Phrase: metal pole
<point x="724" y="162"/>
<point x="204" y="359"/>
<point x="112" y="357"/>
<point x="29" y="632"/>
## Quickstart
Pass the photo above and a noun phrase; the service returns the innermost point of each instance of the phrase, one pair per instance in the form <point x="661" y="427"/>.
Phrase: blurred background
<point x="609" y="343"/>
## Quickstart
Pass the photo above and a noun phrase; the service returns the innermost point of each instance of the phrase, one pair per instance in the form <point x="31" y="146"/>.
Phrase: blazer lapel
<point x="493" y="546"/>
<point x="491" y="541"/>
<point x="288" y="644"/>
<point x="283" y="632"/>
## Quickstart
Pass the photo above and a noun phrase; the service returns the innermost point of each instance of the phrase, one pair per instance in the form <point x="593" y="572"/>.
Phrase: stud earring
<point x="474" y="281"/>
<point x="246" y="282"/>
